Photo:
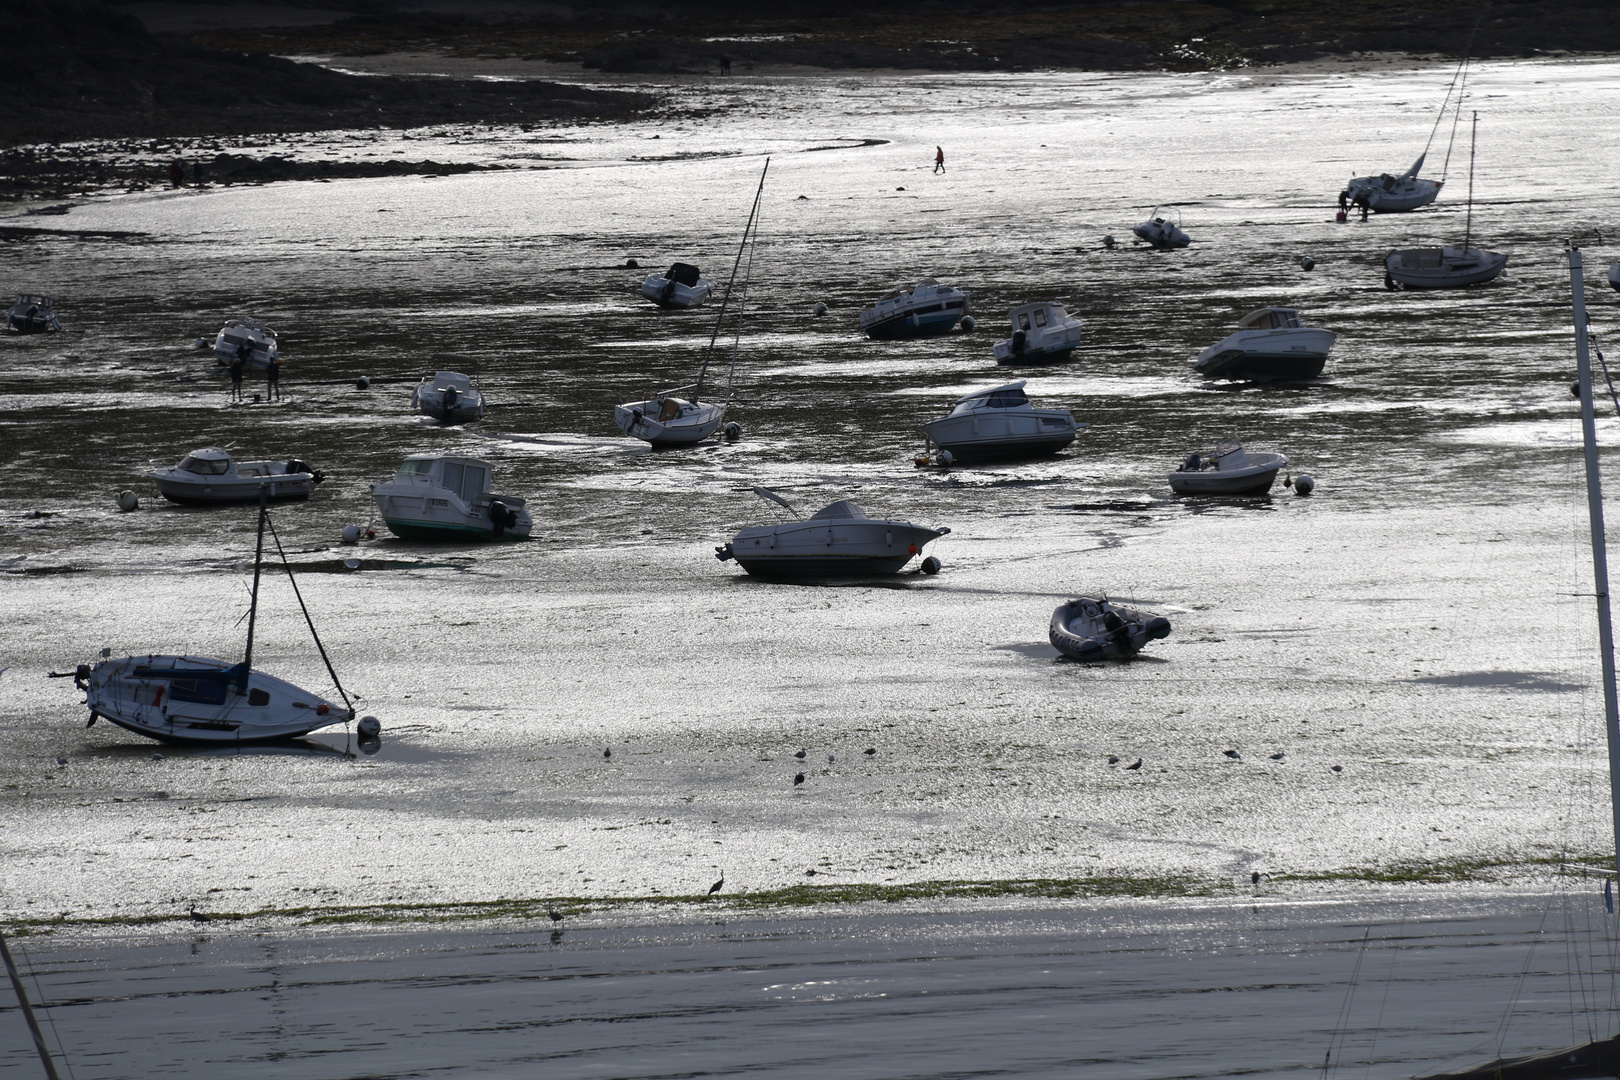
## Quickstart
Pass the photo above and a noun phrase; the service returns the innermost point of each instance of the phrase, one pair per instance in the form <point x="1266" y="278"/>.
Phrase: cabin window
<point x="258" y="697"/>
<point x="1023" y="322"/>
<point x="416" y="468"/>
<point x="476" y="483"/>
<point x="452" y="475"/>
<point x="205" y="466"/>
<point x="1291" y="321"/>
<point x="1040" y="316"/>
<point x="201" y="691"/>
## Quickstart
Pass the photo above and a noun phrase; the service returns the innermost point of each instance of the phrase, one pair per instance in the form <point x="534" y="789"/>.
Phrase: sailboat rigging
<point x="681" y="417"/>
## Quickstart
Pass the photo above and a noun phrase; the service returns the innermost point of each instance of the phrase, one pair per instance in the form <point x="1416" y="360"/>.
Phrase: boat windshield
<point x="416" y="467"/>
<point x="1271" y="319"/>
<point x="1001" y="399"/>
<point x="205" y="466"/>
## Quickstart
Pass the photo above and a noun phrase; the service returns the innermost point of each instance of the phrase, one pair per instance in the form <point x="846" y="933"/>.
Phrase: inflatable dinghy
<point x="1096" y="628"/>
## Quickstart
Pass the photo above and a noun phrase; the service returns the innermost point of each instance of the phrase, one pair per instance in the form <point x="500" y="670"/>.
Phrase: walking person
<point x="272" y="379"/>
<point x="177" y="173"/>
<point x="238" y="366"/>
<point x="939" y="159"/>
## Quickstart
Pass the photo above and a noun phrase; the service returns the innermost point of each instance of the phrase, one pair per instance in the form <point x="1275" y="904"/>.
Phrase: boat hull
<point x="19" y="324"/>
<point x="244" y="490"/>
<point x="1275" y="355"/>
<point x="1003" y="436"/>
<point x="1442" y="268"/>
<point x="1254" y="477"/>
<point x="436" y="514"/>
<point x="668" y="293"/>
<point x="828" y="548"/>
<point x="696" y="422"/>
<point x="906" y="325"/>
<point x="200" y="701"/>
<point x="1034" y="357"/>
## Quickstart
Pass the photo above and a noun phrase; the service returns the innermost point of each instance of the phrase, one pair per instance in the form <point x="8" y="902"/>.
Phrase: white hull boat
<point x="249" y="339"/>
<point x="836" y="541"/>
<point x="1041" y="334"/>
<point x="681" y="417"/>
<point x="670" y="420"/>
<point x="1441" y="267"/>
<point x="180" y="698"/>
<point x="921" y="310"/>
<point x="447" y="497"/>
<point x="681" y="286"/>
<point x="1229" y="470"/>
<point x="1161" y="232"/>
<point x="1270" y="345"/>
<point x="1096" y="628"/>
<point x="33" y="313"/>
<point x="999" y="424"/>
<point x="449" y="397"/>
<point x="1393" y="194"/>
<point x="210" y="476"/>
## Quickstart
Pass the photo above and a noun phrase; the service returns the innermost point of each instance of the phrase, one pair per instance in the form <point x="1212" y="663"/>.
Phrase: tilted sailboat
<point x="680" y="417"/>
<point x="1394" y="194"/>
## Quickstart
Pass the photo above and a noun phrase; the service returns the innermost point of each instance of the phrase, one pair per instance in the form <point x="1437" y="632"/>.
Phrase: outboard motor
<point x="500" y="518"/>
<point x="667" y="292"/>
<point x="1018" y="343"/>
<point x="451" y="396"/>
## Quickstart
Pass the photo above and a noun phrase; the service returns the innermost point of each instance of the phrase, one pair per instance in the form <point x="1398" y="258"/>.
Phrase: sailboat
<point x="680" y="417"/>
<point x="1395" y="194"/>
<point x="199" y="700"/>
<point x="1600" y="1057"/>
<point x="1446" y="267"/>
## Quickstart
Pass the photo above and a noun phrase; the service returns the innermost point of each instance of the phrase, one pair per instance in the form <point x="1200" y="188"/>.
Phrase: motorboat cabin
<point x="33" y="313"/>
<point x="1043" y="333"/>
<point x="448" y="497"/>
<point x="211" y="476"/>
<point x="1270" y="345"/>
<point x="999" y="424"/>
<point x="248" y="340"/>
<point x="919" y="310"/>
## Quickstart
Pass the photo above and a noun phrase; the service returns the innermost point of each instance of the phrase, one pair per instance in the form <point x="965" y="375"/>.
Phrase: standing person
<point x="272" y="379"/>
<point x="177" y="173"/>
<point x="725" y="64"/>
<point x="1344" y="200"/>
<point x="939" y="159"/>
<point x="237" y="367"/>
<point x="197" y="173"/>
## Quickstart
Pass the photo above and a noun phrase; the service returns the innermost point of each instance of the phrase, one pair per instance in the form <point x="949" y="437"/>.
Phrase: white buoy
<point x="351" y="534"/>
<point x="968" y="323"/>
<point x="1304" y="484"/>
<point x="363" y="383"/>
<point x="930" y="565"/>
<point x="351" y="564"/>
<point x="946" y="458"/>
<point x="819" y="309"/>
<point x="1108" y="242"/>
<point x="127" y="501"/>
<point x="733" y="431"/>
<point x="1307" y="263"/>
<point x="369" y="727"/>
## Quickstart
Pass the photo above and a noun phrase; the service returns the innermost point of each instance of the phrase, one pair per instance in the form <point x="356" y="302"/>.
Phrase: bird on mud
<point x="800" y="755"/>
<point x="607" y="753"/>
<point x="1278" y="756"/>
<point x="1137" y="764"/>
<point x="1254" y="877"/>
<point x="798" y="779"/>
<point x="1233" y="754"/>
<point x="717" y="885"/>
<point x="555" y="916"/>
<point x="1113" y="759"/>
<point x="870" y="751"/>
<point x="197" y="916"/>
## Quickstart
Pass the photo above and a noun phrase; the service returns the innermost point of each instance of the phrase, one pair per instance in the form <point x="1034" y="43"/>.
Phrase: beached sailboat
<point x="681" y="416"/>
<point x="1446" y="267"/>
<point x="198" y="699"/>
<point x="1396" y="194"/>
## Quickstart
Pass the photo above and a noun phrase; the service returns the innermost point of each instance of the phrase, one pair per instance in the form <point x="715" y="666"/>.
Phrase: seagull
<point x="1137" y="764"/>
<point x="869" y="751"/>
<point x="1278" y="756"/>
<point x="798" y="779"/>
<point x="555" y="916"/>
<point x="61" y="761"/>
<point x="1113" y="759"/>
<point x="197" y="916"/>
<point x="1254" y="878"/>
<point x="800" y="755"/>
<point x="608" y="752"/>
<point x="1233" y="754"/>
<point x="156" y="756"/>
<point x="829" y="759"/>
<point x="716" y="886"/>
<point x="1338" y="768"/>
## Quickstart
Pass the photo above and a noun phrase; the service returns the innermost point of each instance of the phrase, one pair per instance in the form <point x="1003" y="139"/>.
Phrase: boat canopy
<point x="683" y="274"/>
<point x="211" y="461"/>
<point x="843" y="508"/>
<point x="451" y="378"/>
<point x="1011" y="396"/>
<point x="1271" y="318"/>
<point x="40" y="299"/>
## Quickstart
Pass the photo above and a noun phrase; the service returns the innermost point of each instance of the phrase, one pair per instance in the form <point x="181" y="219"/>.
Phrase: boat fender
<point x="351" y="534"/>
<point x="733" y="431"/>
<point x="497" y="516"/>
<point x="1158" y="627"/>
<point x="1304" y="484"/>
<point x="1307" y="263"/>
<point x="724" y="553"/>
<point x="322" y="709"/>
<point x="819" y="309"/>
<point x="930" y="565"/>
<point x="127" y="501"/>
<point x="369" y="727"/>
<point x="1108" y="242"/>
<point x="968" y="324"/>
<point x="946" y="458"/>
<point x="913" y="549"/>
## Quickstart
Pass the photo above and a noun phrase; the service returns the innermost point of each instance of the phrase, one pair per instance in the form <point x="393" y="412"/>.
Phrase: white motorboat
<point x="448" y="396"/>
<point x="1228" y="470"/>
<point x="919" y="310"/>
<point x="1043" y="333"/>
<point x="837" y="541"/>
<point x="197" y="699"/>
<point x="997" y="424"/>
<point x="1163" y="231"/>
<point x="1392" y="194"/>
<point x="448" y="497"/>
<point x="681" y="286"/>
<point x="1269" y="345"/>
<point x="1096" y="628"/>
<point x="211" y="475"/>
<point x="1446" y="267"/>
<point x="33" y="313"/>
<point x="249" y="339"/>
<point x="682" y="416"/>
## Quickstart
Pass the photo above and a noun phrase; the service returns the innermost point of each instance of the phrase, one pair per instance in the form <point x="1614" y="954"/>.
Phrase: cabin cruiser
<point x="447" y="497"/>
<point x="33" y="313"/>
<point x="836" y="541"/>
<point x="671" y="420"/>
<point x="1228" y="470"/>
<point x="1042" y="333"/>
<point x="1162" y="232"/>
<point x="247" y="339"/>
<point x="915" y="311"/>
<point x="999" y="423"/>
<point x="1441" y="267"/>
<point x="448" y="396"/>
<point x="1096" y="628"/>
<point x="1270" y="345"/>
<point x="1386" y="194"/>
<point x="201" y="700"/>
<point x="681" y="286"/>
<point x="211" y="475"/>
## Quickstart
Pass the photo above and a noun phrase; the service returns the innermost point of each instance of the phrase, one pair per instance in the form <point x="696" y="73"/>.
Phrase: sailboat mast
<point x="1600" y="554"/>
<point x="1473" y="140"/>
<point x="720" y="318"/>
<point x="28" y="1012"/>
<point x="253" y="605"/>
